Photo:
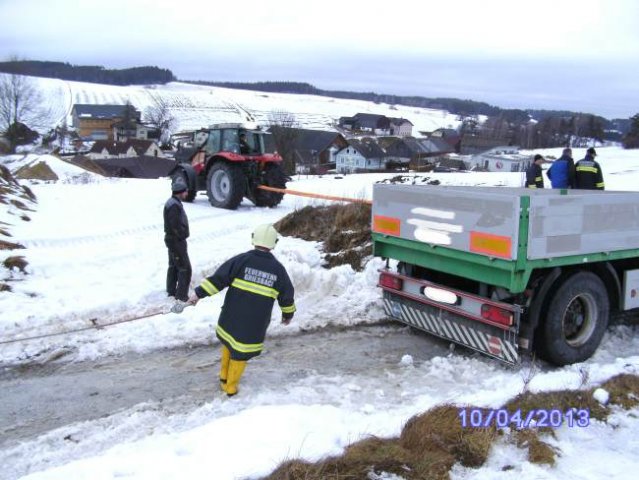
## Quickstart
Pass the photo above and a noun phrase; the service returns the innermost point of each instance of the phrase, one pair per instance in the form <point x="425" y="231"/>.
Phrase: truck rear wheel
<point x="576" y="320"/>
<point x="272" y="176"/>
<point x="225" y="185"/>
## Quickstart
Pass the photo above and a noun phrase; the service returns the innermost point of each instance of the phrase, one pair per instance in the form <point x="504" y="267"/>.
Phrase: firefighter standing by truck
<point x="588" y="175"/>
<point x="534" y="176"/>
<point x="255" y="279"/>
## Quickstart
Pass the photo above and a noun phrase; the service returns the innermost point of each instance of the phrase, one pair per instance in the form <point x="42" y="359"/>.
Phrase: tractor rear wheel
<point x="272" y="176"/>
<point x="225" y="185"/>
<point x="190" y="196"/>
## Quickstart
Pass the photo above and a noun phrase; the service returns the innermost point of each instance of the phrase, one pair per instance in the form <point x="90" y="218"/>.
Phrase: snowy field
<point x="195" y="106"/>
<point x="95" y="251"/>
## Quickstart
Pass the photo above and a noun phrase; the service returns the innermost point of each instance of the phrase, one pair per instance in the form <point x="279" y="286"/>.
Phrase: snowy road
<point x="36" y="400"/>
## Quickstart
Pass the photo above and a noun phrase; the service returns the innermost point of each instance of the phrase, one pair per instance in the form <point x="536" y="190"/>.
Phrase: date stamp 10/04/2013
<point x="535" y="418"/>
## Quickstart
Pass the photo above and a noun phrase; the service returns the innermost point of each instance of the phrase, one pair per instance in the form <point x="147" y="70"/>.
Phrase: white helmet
<point x="265" y="236"/>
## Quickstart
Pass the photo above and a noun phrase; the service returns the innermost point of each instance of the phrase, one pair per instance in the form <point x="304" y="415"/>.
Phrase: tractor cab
<point x="230" y="137"/>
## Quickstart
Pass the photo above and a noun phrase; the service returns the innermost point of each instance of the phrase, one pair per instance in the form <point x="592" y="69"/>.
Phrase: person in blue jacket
<point x="562" y="172"/>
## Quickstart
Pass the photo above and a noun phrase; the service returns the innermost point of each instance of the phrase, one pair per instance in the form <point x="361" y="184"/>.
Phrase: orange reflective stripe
<point x="497" y="245"/>
<point x="389" y="225"/>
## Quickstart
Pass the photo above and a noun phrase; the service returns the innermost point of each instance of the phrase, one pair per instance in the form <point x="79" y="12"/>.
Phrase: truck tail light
<point x="390" y="281"/>
<point x="496" y="314"/>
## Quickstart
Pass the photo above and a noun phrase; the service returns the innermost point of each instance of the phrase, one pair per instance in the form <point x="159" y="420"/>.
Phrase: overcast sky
<point x="580" y="55"/>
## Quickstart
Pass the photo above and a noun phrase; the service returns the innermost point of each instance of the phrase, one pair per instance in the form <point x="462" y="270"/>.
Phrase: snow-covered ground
<point x="95" y="251"/>
<point x="195" y="106"/>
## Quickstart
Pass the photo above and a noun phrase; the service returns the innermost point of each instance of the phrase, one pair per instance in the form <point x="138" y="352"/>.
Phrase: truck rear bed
<point x="499" y="235"/>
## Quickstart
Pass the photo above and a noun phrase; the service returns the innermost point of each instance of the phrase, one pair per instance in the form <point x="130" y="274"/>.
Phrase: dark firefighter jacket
<point x="255" y="279"/>
<point x="176" y="225"/>
<point x="588" y="174"/>
<point x="534" y="178"/>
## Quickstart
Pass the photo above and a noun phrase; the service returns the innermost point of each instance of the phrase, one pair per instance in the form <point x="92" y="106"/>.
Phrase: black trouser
<point x="178" y="276"/>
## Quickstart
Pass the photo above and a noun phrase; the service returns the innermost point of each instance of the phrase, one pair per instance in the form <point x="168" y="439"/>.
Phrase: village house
<point x="95" y="122"/>
<point x="360" y="156"/>
<point x="130" y="148"/>
<point x="450" y="136"/>
<point x="313" y="151"/>
<point x="417" y="152"/>
<point x="400" y="127"/>
<point x="377" y="124"/>
<point x="131" y="129"/>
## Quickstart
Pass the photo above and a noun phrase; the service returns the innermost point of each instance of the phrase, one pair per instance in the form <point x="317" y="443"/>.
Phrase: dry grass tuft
<point x="39" y="171"/>
<point x="439" y="432"/>
<point x="355" y="463"/>
<point x="4" y="245"/>
<point x="624" y="390"/>
<point x="562" y="400"/>
<point x="539" y="452"/>
<point x="4" y="287"/>
<point x="17" y="262"/>
<point x="344" y="230"/>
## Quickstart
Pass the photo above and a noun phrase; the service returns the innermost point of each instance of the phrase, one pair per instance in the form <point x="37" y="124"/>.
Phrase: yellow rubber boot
<point x="236" y="369"/>
<point x="224" y="367"/>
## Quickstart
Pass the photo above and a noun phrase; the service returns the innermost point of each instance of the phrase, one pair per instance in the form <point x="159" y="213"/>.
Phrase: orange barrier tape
<point x="315" y="195"/>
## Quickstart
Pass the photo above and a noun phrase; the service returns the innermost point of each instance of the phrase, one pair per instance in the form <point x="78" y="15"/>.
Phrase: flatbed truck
<point x="508" y="271"/>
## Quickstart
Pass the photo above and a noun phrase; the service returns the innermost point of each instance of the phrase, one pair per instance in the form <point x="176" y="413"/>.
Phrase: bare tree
<point x="283" y="126"/>
<point x="20" y="103"/>
<point x="159" y="115"/>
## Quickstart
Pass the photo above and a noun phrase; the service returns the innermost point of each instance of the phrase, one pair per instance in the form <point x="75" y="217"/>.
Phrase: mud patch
<point x="344" y="230"/>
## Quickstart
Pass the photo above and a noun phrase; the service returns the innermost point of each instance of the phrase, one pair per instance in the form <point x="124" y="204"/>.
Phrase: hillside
<point x="196" y="106"/>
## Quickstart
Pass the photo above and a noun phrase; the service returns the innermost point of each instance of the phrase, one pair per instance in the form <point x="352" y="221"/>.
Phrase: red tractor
<point x="230" y="162"/>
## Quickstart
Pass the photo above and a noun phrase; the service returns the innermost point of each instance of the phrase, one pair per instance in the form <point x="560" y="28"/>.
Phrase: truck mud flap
<point x="487" y="339"/>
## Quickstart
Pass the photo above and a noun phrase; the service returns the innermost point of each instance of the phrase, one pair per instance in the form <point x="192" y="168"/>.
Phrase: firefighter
<point x="534" y="177"/>
<point x="176" y="231"/>
<point x="255" y="279"/>
<point x="588" y="175"/>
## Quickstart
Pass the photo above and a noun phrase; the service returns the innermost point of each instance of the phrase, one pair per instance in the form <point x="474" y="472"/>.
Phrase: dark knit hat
<point x="178" y="185"/>
<point x="538" y="157"/>
<point x="591" y="151"/>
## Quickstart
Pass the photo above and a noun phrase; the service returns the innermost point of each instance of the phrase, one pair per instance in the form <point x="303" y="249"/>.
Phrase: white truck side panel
<point x="582" y="222"/>
<point x="456" y="217"/>
<point x="575" y="222"/>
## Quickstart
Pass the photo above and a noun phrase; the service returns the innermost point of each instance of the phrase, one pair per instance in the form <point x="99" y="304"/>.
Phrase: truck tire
<point x="576" y="319"/>
<point x="272" y="176"/>
<point x="225" y="185"/>
<point x="190" y="196"/>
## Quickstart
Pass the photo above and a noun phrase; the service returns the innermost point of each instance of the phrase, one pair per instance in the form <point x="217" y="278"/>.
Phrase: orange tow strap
<point x="315" y="195"/>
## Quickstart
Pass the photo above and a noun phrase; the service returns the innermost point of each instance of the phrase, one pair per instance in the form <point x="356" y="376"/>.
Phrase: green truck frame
<point x="506" y="271"/>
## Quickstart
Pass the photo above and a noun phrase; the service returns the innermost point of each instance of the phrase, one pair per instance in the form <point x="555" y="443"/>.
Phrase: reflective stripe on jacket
<point x="588" y="175"/>
<point x="534" y="177"/>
